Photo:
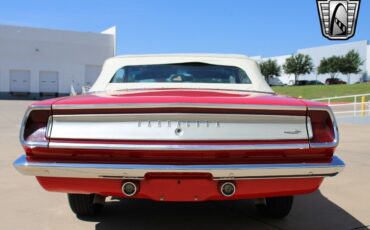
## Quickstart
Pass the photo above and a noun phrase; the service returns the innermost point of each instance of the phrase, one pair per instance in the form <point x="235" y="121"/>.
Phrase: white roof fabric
<point x="113" y="64"/>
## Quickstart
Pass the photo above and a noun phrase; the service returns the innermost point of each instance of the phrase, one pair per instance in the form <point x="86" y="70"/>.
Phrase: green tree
<point x="350" y="64"/>
<point x="298" y="64"/>
<point x="269" y="69"/>
<point x="331" y="66"/>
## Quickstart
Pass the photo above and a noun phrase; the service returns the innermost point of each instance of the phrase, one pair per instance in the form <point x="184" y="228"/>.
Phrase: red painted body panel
<point x="48" y="102"/>
<point x="183" y="157"/>
<point x="184" y="96"/>
<point x="183" y="189"/>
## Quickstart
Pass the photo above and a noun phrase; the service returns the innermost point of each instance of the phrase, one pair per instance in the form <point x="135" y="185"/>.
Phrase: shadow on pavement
<point x="311" y="211"/>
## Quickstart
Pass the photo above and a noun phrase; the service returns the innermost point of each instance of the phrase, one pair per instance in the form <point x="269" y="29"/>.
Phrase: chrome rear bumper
<point x="218" y="172"/>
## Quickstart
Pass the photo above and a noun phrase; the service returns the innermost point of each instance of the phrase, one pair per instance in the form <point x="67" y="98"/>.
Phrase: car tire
<point x="83" y="205"/>
<point x="276" y="207"/>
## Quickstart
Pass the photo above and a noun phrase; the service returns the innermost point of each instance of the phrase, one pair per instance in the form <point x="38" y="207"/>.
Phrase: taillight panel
<point x="324" y="128"/>
<point x="321" y="127"/>
<point x="34" y="127"/>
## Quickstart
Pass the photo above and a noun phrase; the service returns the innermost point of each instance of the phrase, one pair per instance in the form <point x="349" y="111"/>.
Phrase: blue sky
<point x="259" y="27"/>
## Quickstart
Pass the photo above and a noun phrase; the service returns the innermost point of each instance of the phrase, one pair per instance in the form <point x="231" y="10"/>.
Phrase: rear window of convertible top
<point x="182" y="72"/>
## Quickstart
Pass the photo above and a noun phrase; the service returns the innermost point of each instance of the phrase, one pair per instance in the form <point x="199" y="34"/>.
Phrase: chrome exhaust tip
<point x="129" y="188"/>
<point x="227" y="189"/>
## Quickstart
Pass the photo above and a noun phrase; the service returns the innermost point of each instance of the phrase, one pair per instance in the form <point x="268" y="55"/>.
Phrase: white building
<point x="319" y="52"/>
<point x="37" y="62"/>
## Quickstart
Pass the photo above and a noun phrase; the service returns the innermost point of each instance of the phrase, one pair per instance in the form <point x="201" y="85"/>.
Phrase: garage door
<point x="48" y="81"/>
<point x="20" y="81"/>
<point x="91" y="74"/>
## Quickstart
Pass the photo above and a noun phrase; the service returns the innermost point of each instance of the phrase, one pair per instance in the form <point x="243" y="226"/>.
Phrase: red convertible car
<point x="180" y="128"/>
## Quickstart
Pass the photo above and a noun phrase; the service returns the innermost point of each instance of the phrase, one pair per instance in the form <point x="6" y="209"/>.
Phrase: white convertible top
<point x="113" y="64"/>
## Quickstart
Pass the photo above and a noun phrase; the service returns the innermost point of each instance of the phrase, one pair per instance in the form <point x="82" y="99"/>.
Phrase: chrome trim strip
<point x="138" y="171"/>
<point x="176" y="105"/>
<point x="177" y="147"/>
<point x="49" y="126"/>
<point x="31" y="144"/>
<point x="309" y="127"/>
<point x="335" y="142"/>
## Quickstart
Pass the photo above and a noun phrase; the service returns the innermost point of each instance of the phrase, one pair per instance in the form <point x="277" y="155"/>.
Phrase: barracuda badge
<point x="338" y="18"/>
<point x="178" y="124"/>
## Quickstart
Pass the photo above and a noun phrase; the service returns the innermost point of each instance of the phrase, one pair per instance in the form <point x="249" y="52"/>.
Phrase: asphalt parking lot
<point x="343" y="202"/>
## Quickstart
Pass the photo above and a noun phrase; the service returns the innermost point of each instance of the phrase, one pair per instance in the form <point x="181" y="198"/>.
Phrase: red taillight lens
<point x="323" y="127"/>
<point x="34" y="128"/>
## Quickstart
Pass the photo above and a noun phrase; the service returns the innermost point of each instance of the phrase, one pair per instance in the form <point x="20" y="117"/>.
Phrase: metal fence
<point x="352" y="105"/>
